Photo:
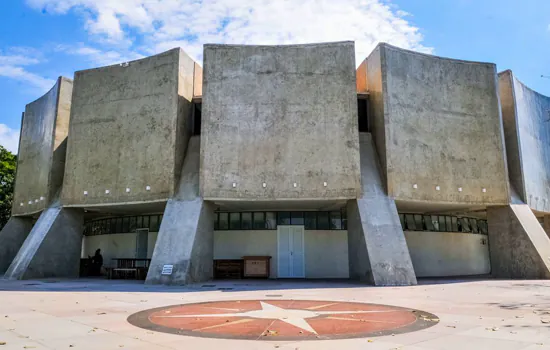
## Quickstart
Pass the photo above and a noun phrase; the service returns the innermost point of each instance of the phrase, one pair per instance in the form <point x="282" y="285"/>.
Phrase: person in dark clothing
<point x="97" y="263"/>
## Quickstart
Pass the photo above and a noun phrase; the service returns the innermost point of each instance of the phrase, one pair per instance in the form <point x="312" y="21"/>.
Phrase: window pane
<point x="429" y="226"/>
<point x="216" y="221"/>
<point x="146" y="221"/>
<point x="418" y="222"/>
<point x="442" y="226"/>
<point x="113" y="225"/>
<point x="344" y="220"/>
<point x="125" y="224"/>
<point x="323" y="220"/>
<point x="454" y="221"/>
<point x="435" y="223"/>
<point x="271" y="220"/>
<point x="335" y="220"/>
<point x="234" y="221"/>
<point x="139" y="222"/>
<point x="118" y="225"/>
<point x="132" y="226"/>
<point x="473" y="222"/>
<point x="466" y="225"/>
<point x="224" y="221"/>
<point x="402" y="219"/>
<point x="283" y="218"/>
<point x="153" y="223"/>
<point x="259" y="221"/>
<point x="449" y="223"/>
<point x="246" y="223"/>
<point x="409" y="222"/>
<point x="483" y="227"/>
<point x="310" y="218"/>
<point x="297" y="218"/>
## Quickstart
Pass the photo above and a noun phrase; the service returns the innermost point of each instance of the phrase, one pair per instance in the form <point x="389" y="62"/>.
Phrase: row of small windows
<point x="442" y="223"/>
<point x="311" y="220"/>
<point x="126" y="224"/>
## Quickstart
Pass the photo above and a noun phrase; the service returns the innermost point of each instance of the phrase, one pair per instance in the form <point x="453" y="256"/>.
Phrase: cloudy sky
<point x="43" y="39"/>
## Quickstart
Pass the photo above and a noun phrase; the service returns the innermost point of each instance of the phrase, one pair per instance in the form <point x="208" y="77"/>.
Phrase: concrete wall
<point x="442" y="254"/>
<point x="129" y="129"/>
<point x="120" y="245"/>
<point x="525" y="114"/>
<point x="12" y="237"/>
<point x="41" y="158"/>
<point x="326" y="252"/>
<point x="436" y="122"/>
<point x="279" y="115"/>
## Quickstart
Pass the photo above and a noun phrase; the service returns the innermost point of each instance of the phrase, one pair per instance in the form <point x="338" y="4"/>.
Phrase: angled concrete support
<point x="52" y="249"/>
<point x="518" y="244"/>
<point x="186" y="236"/>
<point x="378" y="251"/>
<point x="12" y="237"/>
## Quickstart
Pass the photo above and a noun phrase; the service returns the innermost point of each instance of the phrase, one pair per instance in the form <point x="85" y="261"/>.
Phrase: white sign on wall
<point x="167" y="269"/>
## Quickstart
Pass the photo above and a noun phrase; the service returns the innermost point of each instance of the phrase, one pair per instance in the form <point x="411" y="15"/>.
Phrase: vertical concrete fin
<point x="374" y="228"/>
<point x="519" y="245"/>
<point x="52" y="249"/>
<point x="12" y="237"/>
<point x="185" y="238"/>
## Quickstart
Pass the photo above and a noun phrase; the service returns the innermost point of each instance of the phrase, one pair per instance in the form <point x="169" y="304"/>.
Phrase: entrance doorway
<point x="290" y="252"/>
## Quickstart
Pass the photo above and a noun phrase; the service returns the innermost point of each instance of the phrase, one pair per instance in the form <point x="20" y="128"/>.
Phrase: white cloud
<point x="162" y="24"/>
<point x="9" y="138"/>
<point x="13" y="63"/>
<point x="98" y="56"/>
<point x="21" y="74"/>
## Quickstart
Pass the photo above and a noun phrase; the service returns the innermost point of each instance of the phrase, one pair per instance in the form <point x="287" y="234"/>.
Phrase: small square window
<point x="297" y="218"/>
<point x="234" y="221"/>
<point x="283" y="218"/>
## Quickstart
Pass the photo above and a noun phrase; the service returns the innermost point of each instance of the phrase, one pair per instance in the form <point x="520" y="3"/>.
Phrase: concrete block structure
<point x="400" y="167"/>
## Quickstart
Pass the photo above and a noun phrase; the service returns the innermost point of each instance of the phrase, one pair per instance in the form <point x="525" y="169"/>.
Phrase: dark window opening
<point x="197" y="118"/>
<point x="362" y="114"/>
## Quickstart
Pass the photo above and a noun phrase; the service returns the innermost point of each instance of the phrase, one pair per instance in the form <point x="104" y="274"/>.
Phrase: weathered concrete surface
<point x="527" y="133"/>
<point x="186" y="235"/>
<point x="436" y="122"/>
<point x="53" y="247"/>
<point x="12" y="237"/>
<point x="519" y="246"/>
<point x="130" y="125"/>
<point x="41" y="158"/>
<point x="280" y="115"/>
<point x="378" y="251"/>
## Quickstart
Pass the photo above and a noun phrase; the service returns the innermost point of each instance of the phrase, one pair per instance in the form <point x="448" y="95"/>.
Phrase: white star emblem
<point x="295" y="317"/>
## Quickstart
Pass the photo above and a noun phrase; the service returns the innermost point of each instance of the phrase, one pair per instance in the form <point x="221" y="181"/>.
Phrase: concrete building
<point x="408" y="166"/>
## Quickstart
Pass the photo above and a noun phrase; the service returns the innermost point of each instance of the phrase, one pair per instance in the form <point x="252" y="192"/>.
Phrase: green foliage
<point x="8" y="164"/>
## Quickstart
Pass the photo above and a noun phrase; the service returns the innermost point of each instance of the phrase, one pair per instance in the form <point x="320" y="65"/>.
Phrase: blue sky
<point x="42" y="39"/>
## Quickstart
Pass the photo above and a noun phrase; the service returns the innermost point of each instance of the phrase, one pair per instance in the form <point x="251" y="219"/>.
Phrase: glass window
<point x="283" y="218"/>
<point x="153" y="223"/>
<point x="402" y="219"/>
<point x="160" y="220"/>
<point x="246" y="221"/>
<point x="297" y="218"/>
<point x="259" y="221"/>
<point x="223" y="222"/>
<point x="449" y="224"/>
<point x="429" y="226"/>
<point x="454" y="221"/>
<point x="442" y="226"/>
<point x="146" y="221"/>
<point x="216" y="221"/>
<point x="139" y="222"/>
<point x="409" y="222"/>
<point x="466" y="225"/>
<point x="113" y="225"/>
<point x="132" y="226"/>
<point x="271" y="220"/>
<point x="473" y="222"/>
<point x="418" y="222"/>
<point x="435" y="223"/>
<point x="234" y="221"/>
<point x="335" y="220"/>
<point x="125" y="224"/>
<point x="482" y="224"/>
<point x="344" y="220"/>
<point x="310" y="220"/>
<point x="118" y="225"/>
<point x="323" y="222"/>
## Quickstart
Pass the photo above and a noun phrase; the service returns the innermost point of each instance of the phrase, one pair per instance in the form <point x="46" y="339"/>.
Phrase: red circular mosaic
<point x="283" y="319"/>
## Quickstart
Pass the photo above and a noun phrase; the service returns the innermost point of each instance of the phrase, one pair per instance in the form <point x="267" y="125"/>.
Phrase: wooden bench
<point x="228" y="269"/>
<point x="126" y="268"/>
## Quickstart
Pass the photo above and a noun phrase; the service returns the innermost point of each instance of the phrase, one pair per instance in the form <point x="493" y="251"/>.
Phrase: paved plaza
<point x="437" y="314"/>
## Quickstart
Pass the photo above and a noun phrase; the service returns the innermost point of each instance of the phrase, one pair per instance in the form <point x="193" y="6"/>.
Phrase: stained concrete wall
<point x="436" y="122"/>
<point x="41" y="158"/>
<point x="326" y="252"/>
<point x="12" y="236"/>
<point x="129" y="127"/>
<point x="519" y="245"/>
<point x="52" y="249"/>
<point x="527" y="130"/>
<point x="378" y="251"/>
<point x="279" y="115"/>
<point x="444" y="254"/>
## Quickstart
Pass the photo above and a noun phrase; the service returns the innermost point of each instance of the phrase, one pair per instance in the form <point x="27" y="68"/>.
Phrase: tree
<point x="8" y="164"/>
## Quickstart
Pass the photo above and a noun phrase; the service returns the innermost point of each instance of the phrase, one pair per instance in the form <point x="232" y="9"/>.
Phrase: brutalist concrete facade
<point x="282" y="128"/>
